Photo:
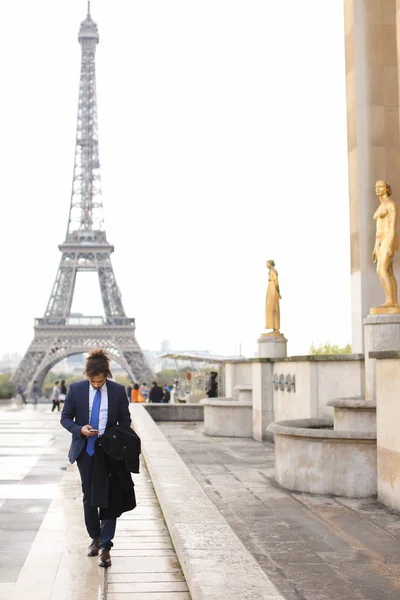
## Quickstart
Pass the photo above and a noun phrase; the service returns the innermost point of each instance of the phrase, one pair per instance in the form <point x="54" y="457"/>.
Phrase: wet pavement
<point x="311" y="547"/>
<point x="43" y="537"/>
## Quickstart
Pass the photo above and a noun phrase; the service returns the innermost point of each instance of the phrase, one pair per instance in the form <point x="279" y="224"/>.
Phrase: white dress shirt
<point x="103" y="406"/>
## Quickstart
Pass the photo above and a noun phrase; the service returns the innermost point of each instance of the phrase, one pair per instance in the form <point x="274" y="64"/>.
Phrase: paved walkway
<point x="43" y="538"/>
<point x="311" y="547"/>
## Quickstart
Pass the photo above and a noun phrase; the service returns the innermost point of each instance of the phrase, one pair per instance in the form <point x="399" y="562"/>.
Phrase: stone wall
<point x="175" y="412"/>
<point x="310" y="457"/>
<point x="297" y="387"/>
<point x="388" y="437"/>
<point x="318" y="379"/>
<point x="299" y="402"/>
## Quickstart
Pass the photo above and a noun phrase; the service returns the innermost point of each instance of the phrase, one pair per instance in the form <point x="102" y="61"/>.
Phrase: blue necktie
<point x="94" y="422"/>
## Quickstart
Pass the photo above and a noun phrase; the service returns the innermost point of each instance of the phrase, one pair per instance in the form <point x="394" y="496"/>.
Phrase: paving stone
<point x="27" y="535"/>
<point x="140" y="545"/>
<point x="160" y="586"/>
<point x="21" y="505"/>
<point x="144" y="552"/>
<point x="14" y="554"/>
<point x="145" y="577"/>
<point x="124" y="533"/>
<point x="5" y="590"/>
<point x="148" y="564"/>
<point x="294" y="552"/>
<point x="23" y="522"/>
<point x="141" y="525"/>
<point x="149" y="596"/>
<point x="9" y="574"/>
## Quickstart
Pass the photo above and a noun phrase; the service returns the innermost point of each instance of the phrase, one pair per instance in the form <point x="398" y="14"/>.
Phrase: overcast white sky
<point x="222" y="144"/>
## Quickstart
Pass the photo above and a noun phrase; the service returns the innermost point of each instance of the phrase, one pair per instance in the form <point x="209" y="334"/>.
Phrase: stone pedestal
<point x="382" y="333"/>
<point x="244" y="392"/>
<point x="353" y="414"/>
<point x="272" y="345"/>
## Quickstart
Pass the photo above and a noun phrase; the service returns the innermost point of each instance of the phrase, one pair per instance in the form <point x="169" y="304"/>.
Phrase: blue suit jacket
<point x="75" y="413"/>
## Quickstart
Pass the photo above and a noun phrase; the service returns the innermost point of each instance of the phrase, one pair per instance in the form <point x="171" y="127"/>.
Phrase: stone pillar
<point x="263" y="399"/>
<point x="373" y="140"/>
<point x="236" y="372"/>
<point x="230" y="378"/>
<point x="382" y="333"/>
<point x="388" y="439"/>
<point x="270" y="345"/>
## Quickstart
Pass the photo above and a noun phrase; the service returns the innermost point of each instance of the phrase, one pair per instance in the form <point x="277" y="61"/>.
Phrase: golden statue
<point x="272" y="314"/>
<point x="386" y="245"/>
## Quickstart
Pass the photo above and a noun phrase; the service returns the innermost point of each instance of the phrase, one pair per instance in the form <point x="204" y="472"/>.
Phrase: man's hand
<point x="88" y="431"/>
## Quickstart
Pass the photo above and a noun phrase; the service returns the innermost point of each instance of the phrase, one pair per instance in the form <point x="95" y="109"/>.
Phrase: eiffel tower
<point x="59" y="334"/>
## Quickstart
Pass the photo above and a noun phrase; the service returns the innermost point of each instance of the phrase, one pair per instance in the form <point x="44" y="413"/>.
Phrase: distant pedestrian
<point x="212" y="391"/>
<point x="63" y="392"/>
<point x="35" y="392"/>
<point x="144" y="390"/>
<point x="156" y="393"/>
<point x="129" y="391"/>
<point x="136" y="396"/>
<point x="55" y="396"/>
<point x="20" y="392"/>
<point x="166" y="394"/>
<point x="178" y="391"/>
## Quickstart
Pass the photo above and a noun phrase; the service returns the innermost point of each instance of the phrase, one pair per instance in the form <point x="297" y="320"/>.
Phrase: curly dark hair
<point x="98" y="363"/>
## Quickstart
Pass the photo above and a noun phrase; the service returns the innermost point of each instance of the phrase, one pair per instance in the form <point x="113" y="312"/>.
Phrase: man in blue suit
<point x="90" y="407"/>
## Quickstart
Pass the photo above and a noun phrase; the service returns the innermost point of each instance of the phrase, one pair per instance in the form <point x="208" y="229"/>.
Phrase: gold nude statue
<point x="386" y="245"/>
<point x="272" y="314"/>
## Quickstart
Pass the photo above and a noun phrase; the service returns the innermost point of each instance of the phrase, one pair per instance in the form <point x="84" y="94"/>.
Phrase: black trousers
<point x="103" y="530"/>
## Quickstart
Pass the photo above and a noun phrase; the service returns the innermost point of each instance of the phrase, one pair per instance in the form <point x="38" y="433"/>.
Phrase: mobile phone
<point x="94" y="430"/>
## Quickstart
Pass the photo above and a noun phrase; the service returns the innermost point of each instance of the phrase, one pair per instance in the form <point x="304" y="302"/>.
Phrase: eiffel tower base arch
<point x="51" y="344"/>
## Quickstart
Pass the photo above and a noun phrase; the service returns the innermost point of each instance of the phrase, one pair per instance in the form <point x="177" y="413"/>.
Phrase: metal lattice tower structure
<point x="59" y="334"/>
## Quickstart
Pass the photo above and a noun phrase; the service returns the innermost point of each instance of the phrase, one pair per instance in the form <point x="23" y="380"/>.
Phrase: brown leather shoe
<point x="104" y="558"/>
<point x="93" y="549"/>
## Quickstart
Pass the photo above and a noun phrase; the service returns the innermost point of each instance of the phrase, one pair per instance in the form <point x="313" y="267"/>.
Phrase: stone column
<point x="263" y="399"/>
<point x="230" y="378"/>
<point x="236" y="372"/>
<point x="373" y="139"/>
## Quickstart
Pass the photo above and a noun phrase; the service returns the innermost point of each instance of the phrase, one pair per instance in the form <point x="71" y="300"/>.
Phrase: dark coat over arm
<point x="116" y="455"/>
